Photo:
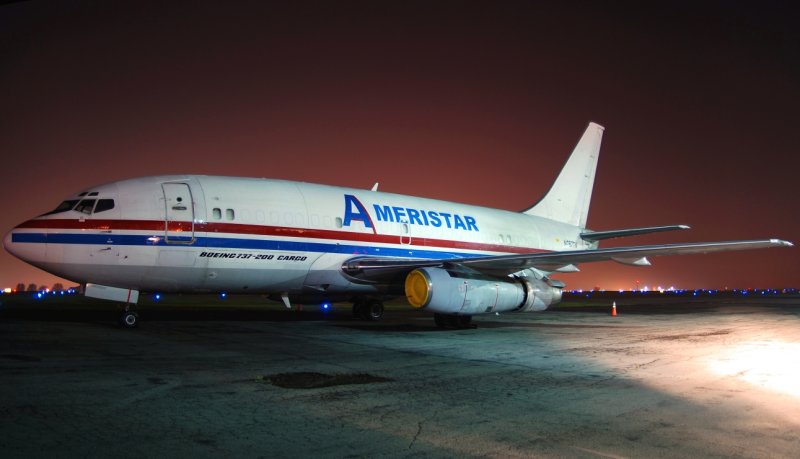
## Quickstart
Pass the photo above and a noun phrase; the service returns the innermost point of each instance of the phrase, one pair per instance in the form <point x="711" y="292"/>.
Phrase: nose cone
<point x="26" y="245"/>
<point x="7" y="244"/>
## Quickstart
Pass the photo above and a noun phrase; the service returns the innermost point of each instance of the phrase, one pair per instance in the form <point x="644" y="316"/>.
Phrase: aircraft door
<point x="179" y="213"/>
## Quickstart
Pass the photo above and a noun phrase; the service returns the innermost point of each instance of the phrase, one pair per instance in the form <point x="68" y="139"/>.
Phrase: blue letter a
<point x="357" y="214"/>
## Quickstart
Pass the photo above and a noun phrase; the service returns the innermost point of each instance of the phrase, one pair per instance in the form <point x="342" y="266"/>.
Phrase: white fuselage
<point x="210" y="234"/>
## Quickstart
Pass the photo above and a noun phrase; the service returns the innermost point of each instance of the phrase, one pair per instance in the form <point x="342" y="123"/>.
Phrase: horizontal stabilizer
<point x="600" y="235"/>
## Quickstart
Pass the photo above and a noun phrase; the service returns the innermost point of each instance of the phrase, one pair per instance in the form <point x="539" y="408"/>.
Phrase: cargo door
<point x="179" y="213"/>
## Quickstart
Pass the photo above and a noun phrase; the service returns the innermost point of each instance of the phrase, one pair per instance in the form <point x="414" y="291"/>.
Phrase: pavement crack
<point x="416" y="435"/>
<point x="419" y="428"/>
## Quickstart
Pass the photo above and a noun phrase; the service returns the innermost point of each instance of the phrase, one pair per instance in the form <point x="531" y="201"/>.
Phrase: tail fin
<point x="569" y="197"/>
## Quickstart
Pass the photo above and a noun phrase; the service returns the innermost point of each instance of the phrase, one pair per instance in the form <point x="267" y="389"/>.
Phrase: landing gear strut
<point x="453" y="321"/>
<point x="371" y="310"/>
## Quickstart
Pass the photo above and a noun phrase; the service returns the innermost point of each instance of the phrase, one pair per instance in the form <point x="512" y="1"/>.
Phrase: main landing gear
<point x="453" y="321"/>
<point x="371" y="310"/>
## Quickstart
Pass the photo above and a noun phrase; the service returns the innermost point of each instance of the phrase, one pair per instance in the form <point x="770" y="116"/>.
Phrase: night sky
<point x="475" y="102"/>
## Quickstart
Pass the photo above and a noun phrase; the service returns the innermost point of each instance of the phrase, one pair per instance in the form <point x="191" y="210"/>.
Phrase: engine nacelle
<point x="468" y="292"/>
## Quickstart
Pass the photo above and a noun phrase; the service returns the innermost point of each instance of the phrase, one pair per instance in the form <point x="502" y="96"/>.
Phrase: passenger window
<point x="85" y="206"/>
<point x="229" y="214"/>
<point x="217" y="213"/>
<point x="104" y="205"/>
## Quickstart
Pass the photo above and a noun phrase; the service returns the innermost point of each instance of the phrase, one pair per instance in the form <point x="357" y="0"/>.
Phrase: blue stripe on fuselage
<point x="235" y="243"/>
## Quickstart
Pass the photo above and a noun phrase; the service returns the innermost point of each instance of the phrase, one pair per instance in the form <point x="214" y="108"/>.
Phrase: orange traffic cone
<point x="614" y="309"/>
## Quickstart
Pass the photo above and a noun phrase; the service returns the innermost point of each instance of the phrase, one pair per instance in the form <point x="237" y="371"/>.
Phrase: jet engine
<point x="464" y="292"/>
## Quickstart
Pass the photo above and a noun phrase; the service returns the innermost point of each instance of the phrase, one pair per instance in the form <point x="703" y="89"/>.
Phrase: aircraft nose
<point x="7" y="244"/>
<point x="25" y="246"/>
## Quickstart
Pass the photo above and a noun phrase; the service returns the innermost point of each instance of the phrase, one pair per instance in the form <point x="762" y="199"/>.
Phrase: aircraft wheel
<point x="129" y="319"/>
<point x="357" y="307"/>
<point x="463" y="321"/>
<point x="372" y="311"/>
<point x="440" y="319"/>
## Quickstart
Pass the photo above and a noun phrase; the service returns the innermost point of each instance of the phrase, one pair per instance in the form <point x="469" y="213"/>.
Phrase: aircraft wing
<point x="386" y="269"/>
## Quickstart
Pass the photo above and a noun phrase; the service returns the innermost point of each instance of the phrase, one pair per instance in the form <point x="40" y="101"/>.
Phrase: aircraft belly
<point x="110" y="275"/>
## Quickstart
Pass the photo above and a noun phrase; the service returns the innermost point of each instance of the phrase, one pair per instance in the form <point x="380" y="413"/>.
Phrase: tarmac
<point x="676" y="380"/>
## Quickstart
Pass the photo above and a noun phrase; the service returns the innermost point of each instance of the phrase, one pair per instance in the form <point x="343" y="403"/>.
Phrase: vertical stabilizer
<point x="569" y="197"/>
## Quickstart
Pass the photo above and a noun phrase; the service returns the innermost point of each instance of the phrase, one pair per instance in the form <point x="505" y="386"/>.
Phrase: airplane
<point x="302" y="242"/>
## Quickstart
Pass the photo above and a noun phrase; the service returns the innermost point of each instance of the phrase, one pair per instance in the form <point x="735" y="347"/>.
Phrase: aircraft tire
<point x="372" y="311"/>
<point x="129" y="319"/>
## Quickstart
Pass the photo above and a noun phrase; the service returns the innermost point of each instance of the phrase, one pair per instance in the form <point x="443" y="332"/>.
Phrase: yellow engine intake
<point x="418" y="289"/>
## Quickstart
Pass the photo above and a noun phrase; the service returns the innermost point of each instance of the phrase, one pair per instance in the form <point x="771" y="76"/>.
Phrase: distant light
<point x="7" y="290"/>
<point x="223" y="295"/>
<point x="157" y="297"/>
<point x="326" y="306"/>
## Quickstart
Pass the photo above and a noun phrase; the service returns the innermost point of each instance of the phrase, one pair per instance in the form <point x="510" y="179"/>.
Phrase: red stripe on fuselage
<point x="262" y="230"/>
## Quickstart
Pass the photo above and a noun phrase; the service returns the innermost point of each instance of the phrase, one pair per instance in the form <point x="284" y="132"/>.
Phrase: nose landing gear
<point x="129" y="319"/>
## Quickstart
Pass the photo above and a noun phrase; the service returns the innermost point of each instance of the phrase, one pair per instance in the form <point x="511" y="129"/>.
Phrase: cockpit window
<point x="64" y="206"/>
<point x="103" y="205"/>
<point x="85" y="206"/>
